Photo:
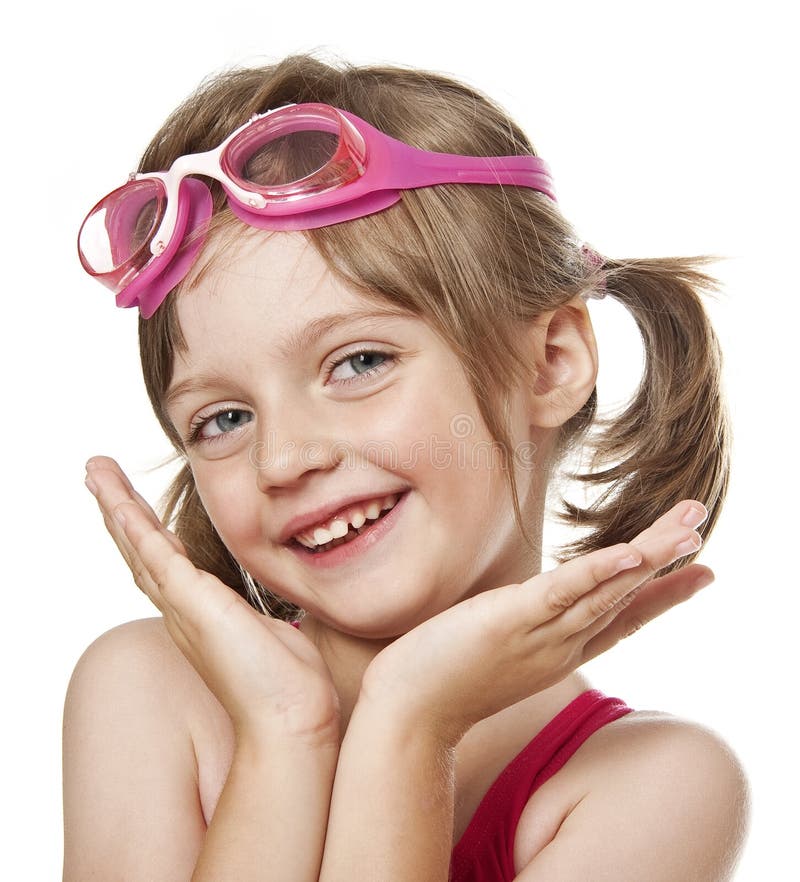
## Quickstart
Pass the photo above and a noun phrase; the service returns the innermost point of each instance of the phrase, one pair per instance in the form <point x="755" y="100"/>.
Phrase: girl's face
<point x="284" y="424"/>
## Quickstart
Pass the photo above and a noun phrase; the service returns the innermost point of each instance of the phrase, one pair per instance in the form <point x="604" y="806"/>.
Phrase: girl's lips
<point x="343" y="553"/>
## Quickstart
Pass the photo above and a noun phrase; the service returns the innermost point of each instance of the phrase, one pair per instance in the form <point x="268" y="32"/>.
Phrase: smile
<point x="346" y="525"/>
<point x="355" y="540"/>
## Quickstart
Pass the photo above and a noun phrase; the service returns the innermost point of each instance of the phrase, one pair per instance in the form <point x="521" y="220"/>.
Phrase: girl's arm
<point x="131" y="803"/>
<point x="393" y="801"/>
<point x="393" y="797"/>
<point x="271" y="818"/>
<point x="131" y="787"/>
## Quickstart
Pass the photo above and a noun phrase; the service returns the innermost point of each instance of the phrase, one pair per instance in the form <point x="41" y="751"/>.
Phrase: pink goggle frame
<point x="297" y="167"/>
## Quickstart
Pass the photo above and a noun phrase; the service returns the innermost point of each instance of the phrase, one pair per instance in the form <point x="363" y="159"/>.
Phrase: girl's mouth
<point x="339" y="551"/>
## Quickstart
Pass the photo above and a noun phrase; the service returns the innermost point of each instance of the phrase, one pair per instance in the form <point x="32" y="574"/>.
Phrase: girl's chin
<point x="370" y="624"/>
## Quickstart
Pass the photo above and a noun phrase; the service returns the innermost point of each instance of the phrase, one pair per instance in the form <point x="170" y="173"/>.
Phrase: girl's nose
<point x="283" y="460"/>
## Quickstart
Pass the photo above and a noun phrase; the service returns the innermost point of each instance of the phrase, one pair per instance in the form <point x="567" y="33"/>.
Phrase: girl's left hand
<point x="503" y="645"/>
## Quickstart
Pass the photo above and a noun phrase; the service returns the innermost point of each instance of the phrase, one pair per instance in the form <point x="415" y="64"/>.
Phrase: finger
<point x="161" y="570"/>
<point x="686" y="513"/>
<point x="558" y="590"/>
<point x="657" y="551"/>
<point x="652" y="600"/>
<point x="670" y="537"/>
<point x="111" y="487"/>
<point x="191" y="600"/>
<point x="107" y="470"/>
<point x="198" y="601"/>
<point x="689" y="573"/>
<point x="593" y="569"/>
<point x="111" y="493"/>
<point x="112" y="526"/>
<point x="655" y="542"/>
<point x="105" y="487"/>
<point x="115" y="531"/>
<point x="580" y="591"/>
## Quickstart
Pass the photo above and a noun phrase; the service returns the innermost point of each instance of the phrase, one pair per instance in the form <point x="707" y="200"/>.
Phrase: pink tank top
<point x="485" y="852"/>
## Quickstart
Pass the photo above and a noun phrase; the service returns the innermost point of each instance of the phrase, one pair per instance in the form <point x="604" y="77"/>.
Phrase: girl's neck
<point x="347" y="658"/>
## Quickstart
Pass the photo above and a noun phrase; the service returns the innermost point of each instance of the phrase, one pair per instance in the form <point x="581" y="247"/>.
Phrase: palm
<point x="265" y="673"/>
<point x="503" y="645"/>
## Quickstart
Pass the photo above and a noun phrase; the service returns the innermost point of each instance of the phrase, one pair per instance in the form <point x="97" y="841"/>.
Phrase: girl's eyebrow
<point x="198" y="383"/>
<point x="298" y="341"/>
<point x="314" y="330"/>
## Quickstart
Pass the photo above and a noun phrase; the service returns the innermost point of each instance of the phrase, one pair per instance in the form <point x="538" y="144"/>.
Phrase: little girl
<point x="363" y="327"/>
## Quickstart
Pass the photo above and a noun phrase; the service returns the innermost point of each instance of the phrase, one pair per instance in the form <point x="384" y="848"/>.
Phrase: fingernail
<point x="627" y="563"/>
<point x="90" y="464"/>
<point x="91" y="485"/>
<point x="695" y="516"/>
<point x="688" y="545"/>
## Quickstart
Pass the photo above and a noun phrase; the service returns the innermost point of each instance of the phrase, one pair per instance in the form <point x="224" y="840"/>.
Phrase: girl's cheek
<point x="224" y="501"/>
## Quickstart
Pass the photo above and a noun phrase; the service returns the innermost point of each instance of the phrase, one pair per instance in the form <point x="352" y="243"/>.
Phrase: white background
<point x="669" y="131"/>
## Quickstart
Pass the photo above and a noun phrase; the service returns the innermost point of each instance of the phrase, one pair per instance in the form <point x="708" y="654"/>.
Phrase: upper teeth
<point x="357" y="515"/>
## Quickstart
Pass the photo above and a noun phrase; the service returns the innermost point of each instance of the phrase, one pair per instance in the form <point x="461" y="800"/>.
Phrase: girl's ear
<point x="564" y="352"/>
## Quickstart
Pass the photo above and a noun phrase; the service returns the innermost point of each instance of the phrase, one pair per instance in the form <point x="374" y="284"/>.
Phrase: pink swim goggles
<point x="297" y="167"/>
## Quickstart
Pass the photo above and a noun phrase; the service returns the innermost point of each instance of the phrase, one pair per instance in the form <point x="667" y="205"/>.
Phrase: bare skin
<point x="489" y="744"/>
<point x="427" y="661"/>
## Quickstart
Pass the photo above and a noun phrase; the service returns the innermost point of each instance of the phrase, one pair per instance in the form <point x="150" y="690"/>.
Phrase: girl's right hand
<point x="269" y="677"/>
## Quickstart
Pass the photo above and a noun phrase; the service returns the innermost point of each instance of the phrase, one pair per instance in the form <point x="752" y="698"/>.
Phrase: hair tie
<point x="595" y="261"/>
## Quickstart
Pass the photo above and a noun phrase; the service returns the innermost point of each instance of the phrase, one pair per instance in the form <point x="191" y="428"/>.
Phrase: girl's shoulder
<point x="133" y="685"/>
<point x="620" y="750"/>
<point x="661" y="774"/>
<point x="136" y="658"/>
<point x="136" y="667"/>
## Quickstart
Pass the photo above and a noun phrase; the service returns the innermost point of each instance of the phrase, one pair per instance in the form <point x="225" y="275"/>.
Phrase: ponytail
<point x="672" y="441"/>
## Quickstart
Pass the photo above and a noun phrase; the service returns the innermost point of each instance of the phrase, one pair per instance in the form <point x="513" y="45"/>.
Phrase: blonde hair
<point x="474" y="262"/>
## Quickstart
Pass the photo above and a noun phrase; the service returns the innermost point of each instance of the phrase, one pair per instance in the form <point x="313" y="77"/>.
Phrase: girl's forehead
<point x="273" y="297"/>
<point x="272" y="283"/>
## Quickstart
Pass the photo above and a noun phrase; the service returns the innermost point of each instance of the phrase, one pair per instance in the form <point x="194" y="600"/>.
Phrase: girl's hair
<point x="474" y="262"/>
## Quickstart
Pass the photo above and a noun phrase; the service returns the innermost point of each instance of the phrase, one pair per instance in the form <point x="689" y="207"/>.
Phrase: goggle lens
<point x="297" y="153"/>
<point x="114" y="239"/>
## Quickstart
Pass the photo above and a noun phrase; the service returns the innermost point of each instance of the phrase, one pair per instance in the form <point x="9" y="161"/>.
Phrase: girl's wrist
<point x="256" y="739"/>
<point x="387" y="693"/>
<point x="313" y="722"/>
<point x="408" y="719"/>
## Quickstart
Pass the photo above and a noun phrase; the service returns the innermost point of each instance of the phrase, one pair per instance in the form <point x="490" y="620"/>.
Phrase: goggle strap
<point x="424" y="169"/>
<point x="370" y="203"/>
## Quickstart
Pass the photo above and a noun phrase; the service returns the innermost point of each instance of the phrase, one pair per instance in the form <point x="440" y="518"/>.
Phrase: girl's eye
<point x="362" y="361"/>
<point x="216" y="426"/>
